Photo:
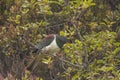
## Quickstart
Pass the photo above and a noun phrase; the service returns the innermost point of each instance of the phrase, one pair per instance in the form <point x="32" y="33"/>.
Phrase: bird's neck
<point x="58" y="41"/>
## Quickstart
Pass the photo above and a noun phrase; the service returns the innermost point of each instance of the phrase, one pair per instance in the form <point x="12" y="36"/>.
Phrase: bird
<point x="52" y="43"/>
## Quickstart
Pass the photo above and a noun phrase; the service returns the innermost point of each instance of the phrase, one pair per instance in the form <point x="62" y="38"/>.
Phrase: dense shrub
<point x="93" y="27"/>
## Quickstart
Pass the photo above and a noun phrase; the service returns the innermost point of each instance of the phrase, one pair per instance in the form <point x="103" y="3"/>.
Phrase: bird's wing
<point x="44" y="42"/>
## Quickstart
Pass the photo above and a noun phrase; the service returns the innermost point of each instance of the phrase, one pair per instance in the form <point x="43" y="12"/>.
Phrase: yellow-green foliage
<point x="92" y="26"/>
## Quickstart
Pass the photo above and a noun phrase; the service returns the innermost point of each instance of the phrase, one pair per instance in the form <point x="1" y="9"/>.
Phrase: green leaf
<point x="18" y="17"/>
<point x="46" y="61"/>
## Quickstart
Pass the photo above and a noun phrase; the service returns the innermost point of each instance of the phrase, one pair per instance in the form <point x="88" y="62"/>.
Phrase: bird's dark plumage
<point x="44" y="42"/>
<point x="51" y="41"/>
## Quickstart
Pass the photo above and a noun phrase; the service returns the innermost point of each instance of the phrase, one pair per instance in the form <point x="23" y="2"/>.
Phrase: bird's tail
<point x="31" y="65"/>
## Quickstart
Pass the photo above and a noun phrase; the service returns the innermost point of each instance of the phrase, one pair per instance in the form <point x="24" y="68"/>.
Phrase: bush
<point x="91" y="25"/>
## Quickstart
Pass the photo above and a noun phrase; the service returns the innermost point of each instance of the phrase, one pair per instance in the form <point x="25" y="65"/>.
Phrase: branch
<point x="28" y="42"/>
<point x="75" y="65"/>
<point x="63" y="60"/>
<point x="50" y="26"/>
<point x="75" y="24"/>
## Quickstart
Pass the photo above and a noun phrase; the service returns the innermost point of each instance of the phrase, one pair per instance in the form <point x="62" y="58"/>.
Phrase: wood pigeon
<point x="51" y="44"/>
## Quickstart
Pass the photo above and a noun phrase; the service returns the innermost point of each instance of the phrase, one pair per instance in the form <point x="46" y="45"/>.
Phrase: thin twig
<point x="28" y="42"/>
<point x="75" y="65"/>
<point x="63" y="60"/>
<point x="84" y="47"/>
<point x="75" y="24"/>
<point x="50" y="26"/>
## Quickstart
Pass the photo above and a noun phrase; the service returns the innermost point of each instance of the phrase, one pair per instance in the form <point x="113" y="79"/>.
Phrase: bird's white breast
<point x="53" y="47"/>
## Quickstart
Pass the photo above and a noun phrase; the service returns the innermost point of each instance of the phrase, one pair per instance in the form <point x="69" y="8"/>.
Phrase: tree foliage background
<point x="93" y="26"/>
